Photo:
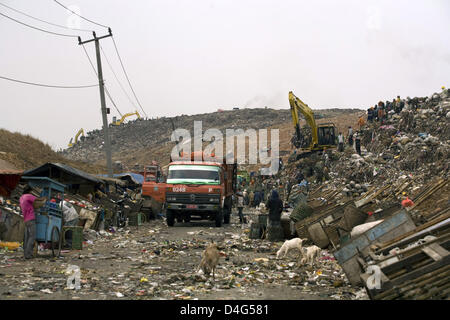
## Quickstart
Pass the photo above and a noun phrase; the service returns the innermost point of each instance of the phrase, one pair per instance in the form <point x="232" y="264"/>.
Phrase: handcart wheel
<point x="56" y="242"/>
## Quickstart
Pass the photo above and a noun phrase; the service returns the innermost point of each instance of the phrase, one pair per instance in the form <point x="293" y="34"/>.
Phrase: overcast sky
<point x="195" y="56"/>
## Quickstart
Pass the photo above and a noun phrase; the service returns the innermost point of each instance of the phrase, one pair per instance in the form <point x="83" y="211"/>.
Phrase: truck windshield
<point x="193" y="174"/>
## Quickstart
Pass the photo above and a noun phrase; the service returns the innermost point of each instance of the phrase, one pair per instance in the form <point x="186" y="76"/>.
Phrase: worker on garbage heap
<point x="370" y="114"/>
<point x="350" y="136"/>
<point x="28" y="203"/>
<point x="358" y="143"/>
<point x="240" y="206"/>
<point x="275" y="207"/>
<point x="406" y="202"/>
<point x="325" y="157"/>
<point x="251" y="199"/>
<point x="361" y="122"/>
<point x="340" y="142"/>
<point x="246" y="197"/>
<point x="381" y="111"/>
<point x="375" y="112"/>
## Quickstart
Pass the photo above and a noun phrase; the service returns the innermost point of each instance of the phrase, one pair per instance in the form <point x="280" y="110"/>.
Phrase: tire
<point x="56" y="242"/>
<point x="170" y="217"/>
<point x="187" y="218"/>
<point x="219" y="219"/>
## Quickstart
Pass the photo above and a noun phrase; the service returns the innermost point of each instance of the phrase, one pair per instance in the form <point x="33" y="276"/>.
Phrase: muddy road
<point x="154" y="261"/>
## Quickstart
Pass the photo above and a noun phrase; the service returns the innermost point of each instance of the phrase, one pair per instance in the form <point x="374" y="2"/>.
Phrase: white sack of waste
<point x="359" y="230"/>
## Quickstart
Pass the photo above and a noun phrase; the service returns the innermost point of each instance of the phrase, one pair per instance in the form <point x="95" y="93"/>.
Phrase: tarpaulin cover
<point x="134" y="177"/>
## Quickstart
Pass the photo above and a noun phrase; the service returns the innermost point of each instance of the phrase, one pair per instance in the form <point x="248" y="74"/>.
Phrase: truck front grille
<point x="192" y="198"/>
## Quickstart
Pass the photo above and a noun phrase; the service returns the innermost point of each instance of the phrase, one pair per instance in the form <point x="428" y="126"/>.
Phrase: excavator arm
<point x="298" y="106"/>
<point x="81" y="131"/>
<point x="118" y="123"/>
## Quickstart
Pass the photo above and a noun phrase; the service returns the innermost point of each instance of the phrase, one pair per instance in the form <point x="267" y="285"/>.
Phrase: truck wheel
<point x="170" y="217"/>
<point x="219" y="219"/>
<point x="226" y="217"/>
<point x="187" y="218"/>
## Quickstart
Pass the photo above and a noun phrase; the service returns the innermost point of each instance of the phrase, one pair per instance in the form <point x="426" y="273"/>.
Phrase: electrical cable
<point x="96" y="74"/>
<point x="95" y="71"/>
<point x="48" y="85"/>
<point x="126" y="75"/>
<point x="92" y="65"/>
<point x="55" y="33"/>
<point x="118" y="81"/>
<point x="101" y="25"/>
<point x="50" y="23"/>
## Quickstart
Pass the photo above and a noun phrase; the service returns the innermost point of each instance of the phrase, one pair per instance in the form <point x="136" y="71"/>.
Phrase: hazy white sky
<point x="195" y="56"/>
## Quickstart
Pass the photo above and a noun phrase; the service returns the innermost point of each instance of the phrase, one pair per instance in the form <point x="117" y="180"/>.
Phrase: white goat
<point x="290" y="244"/>
<point x="310" y="253"/>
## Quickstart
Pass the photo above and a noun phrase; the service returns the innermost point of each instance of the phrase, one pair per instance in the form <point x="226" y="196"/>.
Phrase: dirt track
<point x="154" y="261"/>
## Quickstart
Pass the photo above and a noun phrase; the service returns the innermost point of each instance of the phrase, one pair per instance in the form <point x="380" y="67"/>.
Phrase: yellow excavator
<point x="119" y="122"/>
<point x="323" y="135"/>
<point x="81" y="131"/>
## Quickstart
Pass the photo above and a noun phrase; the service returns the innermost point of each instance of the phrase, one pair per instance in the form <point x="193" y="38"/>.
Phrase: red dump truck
<point x="153" y="190"/>
<point x="200" y="189"/>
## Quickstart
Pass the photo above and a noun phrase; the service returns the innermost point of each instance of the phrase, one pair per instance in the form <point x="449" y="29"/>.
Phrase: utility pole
<point x="105" y="111"/>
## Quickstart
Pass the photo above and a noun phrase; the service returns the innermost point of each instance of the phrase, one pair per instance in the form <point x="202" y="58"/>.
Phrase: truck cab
<point x="153" y="190"/>
<point x="200" y="190"/>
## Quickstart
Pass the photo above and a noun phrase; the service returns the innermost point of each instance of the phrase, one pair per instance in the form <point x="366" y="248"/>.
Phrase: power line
<point x="55" y="33"/>
<point x="126" y="75"/>
<point x="106" y="89"/>
<point x="118" y="81"/>
<point x="49" y="85"/>
<point x="101" y="25"/>
<point x="50" y="23"/>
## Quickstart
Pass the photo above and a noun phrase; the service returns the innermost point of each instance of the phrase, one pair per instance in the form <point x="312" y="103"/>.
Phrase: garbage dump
<point x="370" y="225"/>
<point x="356" y="201"/>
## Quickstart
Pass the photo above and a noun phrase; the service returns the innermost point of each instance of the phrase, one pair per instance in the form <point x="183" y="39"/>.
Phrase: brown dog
<point x="210" y="259"/>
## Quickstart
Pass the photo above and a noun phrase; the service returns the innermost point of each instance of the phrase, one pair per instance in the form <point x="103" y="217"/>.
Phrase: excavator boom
<point x="323" y="136"/>
<point x="297" y="106"/>
<point x="81" y="131"/>
<point x="119" y="122"/>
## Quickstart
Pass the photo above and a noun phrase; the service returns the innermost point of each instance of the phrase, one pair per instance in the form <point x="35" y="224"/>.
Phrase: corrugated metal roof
<point x="63" y="167"/>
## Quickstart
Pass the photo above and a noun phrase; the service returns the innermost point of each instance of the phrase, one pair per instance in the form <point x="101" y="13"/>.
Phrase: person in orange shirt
<point x="361" y="122"/>
<point x="407" y="202"/>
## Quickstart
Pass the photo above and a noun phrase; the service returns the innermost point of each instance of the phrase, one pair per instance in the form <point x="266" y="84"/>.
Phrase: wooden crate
<point x="425" y="274"/>
<point x="359" y="247"/>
